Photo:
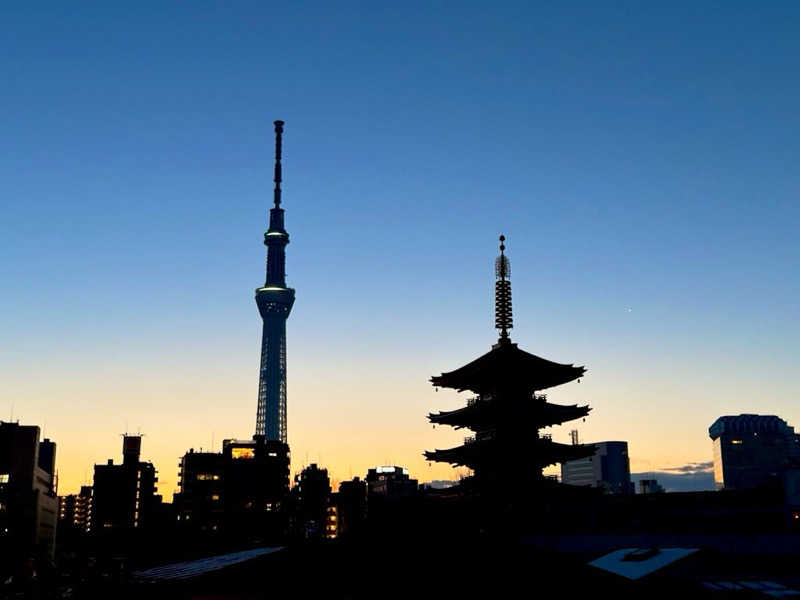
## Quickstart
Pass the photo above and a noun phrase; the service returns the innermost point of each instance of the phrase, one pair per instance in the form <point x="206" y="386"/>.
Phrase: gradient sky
<point x="641" y="158"/>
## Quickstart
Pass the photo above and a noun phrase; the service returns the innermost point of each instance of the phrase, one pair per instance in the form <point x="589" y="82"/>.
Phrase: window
<point x="3" y="477"/>
<point x="215" y="497"/>
<point x="737" y="442"/>
<point x="243" y="453"/>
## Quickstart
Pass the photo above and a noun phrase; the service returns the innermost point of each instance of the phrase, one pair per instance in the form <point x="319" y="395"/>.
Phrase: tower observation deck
<point x="274" y="302"/>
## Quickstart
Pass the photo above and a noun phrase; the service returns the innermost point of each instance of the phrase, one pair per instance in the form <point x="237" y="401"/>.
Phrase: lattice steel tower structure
<point x="274" y="302"/>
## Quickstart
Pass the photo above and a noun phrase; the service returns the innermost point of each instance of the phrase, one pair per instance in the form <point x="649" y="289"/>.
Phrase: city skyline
<point x="639" y="160"/>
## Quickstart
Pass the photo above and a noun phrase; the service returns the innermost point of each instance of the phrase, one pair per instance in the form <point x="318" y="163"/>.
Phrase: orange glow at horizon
<point x="345" y="422"/>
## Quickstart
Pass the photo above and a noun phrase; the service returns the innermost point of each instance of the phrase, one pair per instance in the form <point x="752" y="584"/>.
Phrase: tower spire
<point x="502" y="294"/>
<point x="278" y="148"/>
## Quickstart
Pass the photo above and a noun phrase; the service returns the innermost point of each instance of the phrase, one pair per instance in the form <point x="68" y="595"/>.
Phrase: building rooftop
<point x="747" y="423"/>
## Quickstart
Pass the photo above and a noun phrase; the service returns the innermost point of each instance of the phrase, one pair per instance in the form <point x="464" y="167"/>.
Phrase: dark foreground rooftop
<point x="478" y="568"/>
<point x="200" y="567"/>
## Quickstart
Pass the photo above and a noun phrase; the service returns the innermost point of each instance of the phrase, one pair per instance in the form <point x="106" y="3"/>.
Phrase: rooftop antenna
<point x="502" y="294"/>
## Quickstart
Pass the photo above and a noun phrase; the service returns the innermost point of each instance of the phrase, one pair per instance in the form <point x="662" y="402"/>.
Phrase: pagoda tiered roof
<point x="538" y="413"/>
<point x="507" y="414"/>
<point x="540" y="452"/>
<point x="506" y="363"/>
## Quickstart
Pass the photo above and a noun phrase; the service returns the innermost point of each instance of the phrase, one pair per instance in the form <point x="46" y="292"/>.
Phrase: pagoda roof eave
<point x="506" y="364"/>
<point x="546" y="452"/>
<point x="482" y="413"/>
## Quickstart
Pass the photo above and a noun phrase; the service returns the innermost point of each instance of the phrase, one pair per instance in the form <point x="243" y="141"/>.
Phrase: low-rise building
<point x="608" y="468"/>
<point x="28" y="501"/>
<point x="75" y="512"/>
<point x="391" y="482"/>
<point x="124" y="495"/>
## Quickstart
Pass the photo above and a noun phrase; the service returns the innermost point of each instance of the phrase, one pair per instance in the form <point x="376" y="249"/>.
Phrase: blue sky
<point x="640" y="159"/>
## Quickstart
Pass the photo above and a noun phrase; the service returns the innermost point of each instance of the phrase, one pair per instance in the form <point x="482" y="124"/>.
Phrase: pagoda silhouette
<point x="507" y="452"/>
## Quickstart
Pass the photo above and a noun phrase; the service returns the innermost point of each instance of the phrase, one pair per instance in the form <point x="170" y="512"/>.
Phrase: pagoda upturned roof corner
<point x="508" y="364"/>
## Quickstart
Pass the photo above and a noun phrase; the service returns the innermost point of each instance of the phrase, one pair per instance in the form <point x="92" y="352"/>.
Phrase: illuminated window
<point x="243" y="453"/>
<point x="737" y="442"/>
<point x="215" y="497"/>
<point x="3" y="477"/>
<point x="273" y="454"/>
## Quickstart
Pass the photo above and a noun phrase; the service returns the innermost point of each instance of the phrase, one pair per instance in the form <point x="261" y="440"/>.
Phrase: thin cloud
<point x="691" y="468"/>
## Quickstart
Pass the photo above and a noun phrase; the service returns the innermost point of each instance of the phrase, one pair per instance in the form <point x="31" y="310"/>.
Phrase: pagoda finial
<point x="502" y="294"/>
<point x="277" y="179"/>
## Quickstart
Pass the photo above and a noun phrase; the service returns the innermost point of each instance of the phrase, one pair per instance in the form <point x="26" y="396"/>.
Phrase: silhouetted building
<point x="650" y="486"/>
<point x="28" y="502"/>
<point x="312" y="492"/>
<point x="506" y="413"/>
<point x="392" y="482"/>
<point x="275" y="302"/>
<point x="608" y="468"/>
<point x="75" y="512"/>
<point x="124" y="495"/>
<point x="350" y="507"/>
<point x="749" y="450"/>
<point x="237" y="493"/>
